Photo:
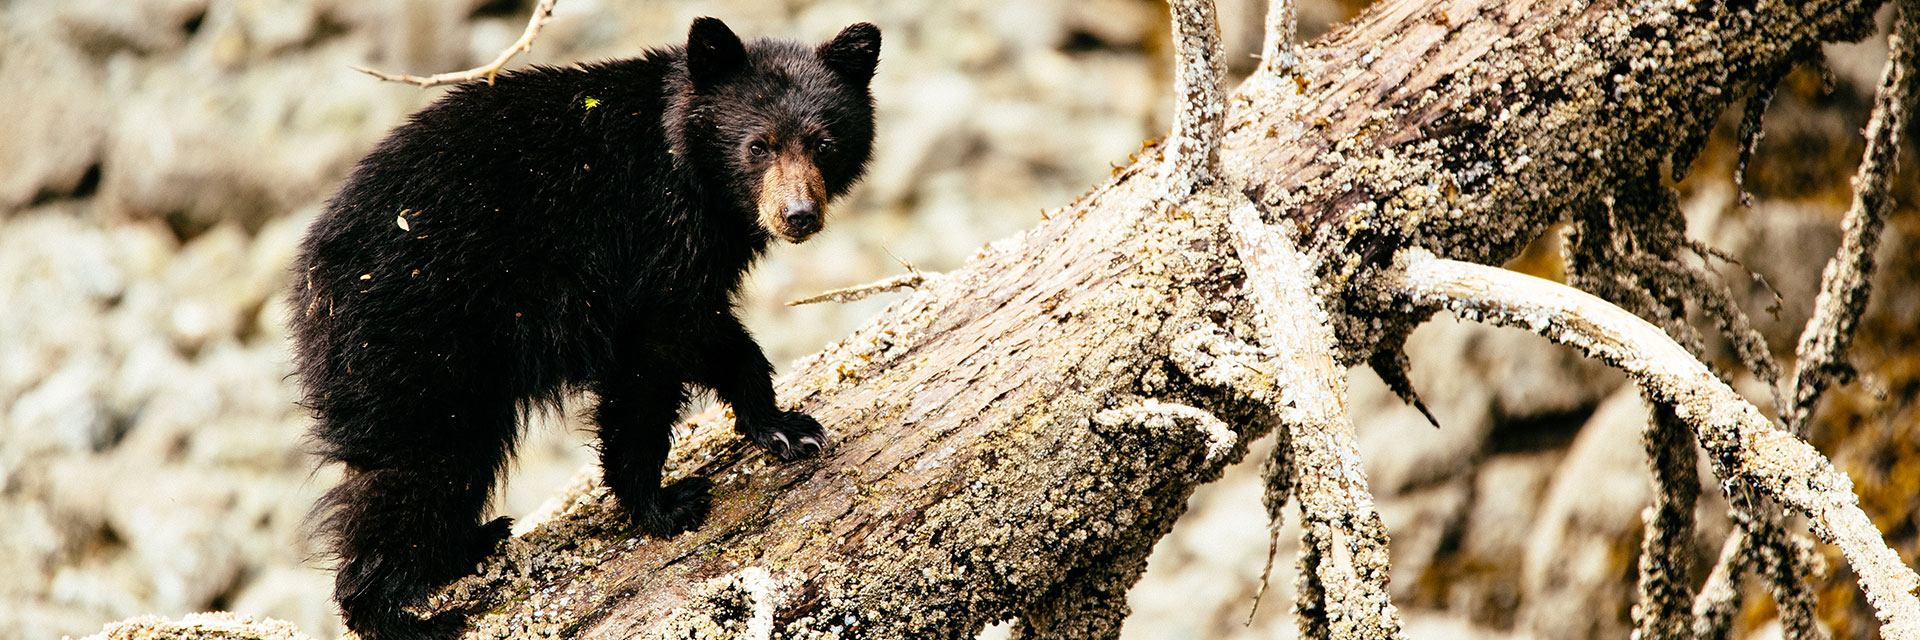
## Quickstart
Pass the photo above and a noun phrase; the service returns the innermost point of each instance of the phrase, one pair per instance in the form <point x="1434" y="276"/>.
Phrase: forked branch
<point x="1742" y="442"/>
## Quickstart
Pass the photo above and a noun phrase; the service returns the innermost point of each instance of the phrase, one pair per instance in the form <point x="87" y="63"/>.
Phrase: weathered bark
<point x="971" y="481"/>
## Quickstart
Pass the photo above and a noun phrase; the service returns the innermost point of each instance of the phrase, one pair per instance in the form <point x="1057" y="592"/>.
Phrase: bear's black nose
<point x="802" y="217"/>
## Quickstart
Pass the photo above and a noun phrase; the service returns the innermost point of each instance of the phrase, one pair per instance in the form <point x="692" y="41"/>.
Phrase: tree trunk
<point x="970" y="481"/>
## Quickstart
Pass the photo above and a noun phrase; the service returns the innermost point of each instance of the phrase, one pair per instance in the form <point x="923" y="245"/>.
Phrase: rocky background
<point x="161" y="159"/>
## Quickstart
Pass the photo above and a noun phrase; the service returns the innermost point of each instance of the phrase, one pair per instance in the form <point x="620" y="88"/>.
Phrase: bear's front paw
<point x="790" y="435"/>
<point x="676" y="508"/>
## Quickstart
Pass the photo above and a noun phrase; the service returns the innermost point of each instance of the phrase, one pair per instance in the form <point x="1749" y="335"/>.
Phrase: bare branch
<point x="1341" y="589"/>
<point x="910" y="280"/>
<point x="1197" y="72"/>
<point x="1849" y="276"/>
<point x="1743" y="444"/>
<point x="1623" y="250"/>
<point x="541" y="13"/>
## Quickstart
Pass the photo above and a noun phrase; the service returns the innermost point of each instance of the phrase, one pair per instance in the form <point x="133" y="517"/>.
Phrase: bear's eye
<point x="825" y="145"/>
<point x="758" y="149"/>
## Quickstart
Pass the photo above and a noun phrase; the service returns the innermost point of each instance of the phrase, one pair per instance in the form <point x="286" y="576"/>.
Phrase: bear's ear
<point x="713" y="52"/>
<point x="853" y="54"/>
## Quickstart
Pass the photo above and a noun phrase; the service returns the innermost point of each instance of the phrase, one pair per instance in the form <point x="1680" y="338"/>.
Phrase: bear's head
<point x="779" y="127"/>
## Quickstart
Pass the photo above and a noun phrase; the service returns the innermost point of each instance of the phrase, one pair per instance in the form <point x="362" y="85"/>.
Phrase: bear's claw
<point x="790" y="435"/>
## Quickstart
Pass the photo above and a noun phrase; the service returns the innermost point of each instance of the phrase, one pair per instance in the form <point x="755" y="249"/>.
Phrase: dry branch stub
<point x="1194" y="146"/>
<point x="1278" y="53"/>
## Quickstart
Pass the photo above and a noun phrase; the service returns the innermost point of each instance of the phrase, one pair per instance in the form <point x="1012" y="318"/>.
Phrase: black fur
<point x="564" y="229"/>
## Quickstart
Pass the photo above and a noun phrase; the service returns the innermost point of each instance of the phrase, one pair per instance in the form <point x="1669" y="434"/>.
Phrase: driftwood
<point x="1013" y="437"/>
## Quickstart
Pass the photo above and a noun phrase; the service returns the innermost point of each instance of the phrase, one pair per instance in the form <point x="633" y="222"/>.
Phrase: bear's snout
<point x="792" y="198"/>
<point x="802" y="218"/>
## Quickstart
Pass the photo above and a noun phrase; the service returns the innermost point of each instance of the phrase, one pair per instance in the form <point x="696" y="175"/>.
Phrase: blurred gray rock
<point x="1588" y="532"/>
<point x="54" y="140"/>
<point x="1475" y="378"/>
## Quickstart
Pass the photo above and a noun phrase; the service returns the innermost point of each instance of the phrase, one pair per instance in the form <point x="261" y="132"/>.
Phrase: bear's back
<point x="494" y="227"/>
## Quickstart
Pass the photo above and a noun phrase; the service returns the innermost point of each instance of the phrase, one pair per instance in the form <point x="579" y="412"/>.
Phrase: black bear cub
<point x="563" y="229"/>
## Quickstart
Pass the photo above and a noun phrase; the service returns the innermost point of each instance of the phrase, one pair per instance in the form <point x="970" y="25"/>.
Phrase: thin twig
<point x="1849" y="276"/>
<point x="1715" y="299"/>
<point x="541" y="13"/>
<point x="909" y="280"/>
<point x="1277" y="481"/>
<point x="1708" y="254"/>
<point x="1719" y="599"/>
<point x="1744" y="445"/>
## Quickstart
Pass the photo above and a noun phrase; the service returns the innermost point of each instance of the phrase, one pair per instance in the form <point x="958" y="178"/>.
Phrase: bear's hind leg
<point x="635" y="421"/>
<point x="405" y="520"/>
